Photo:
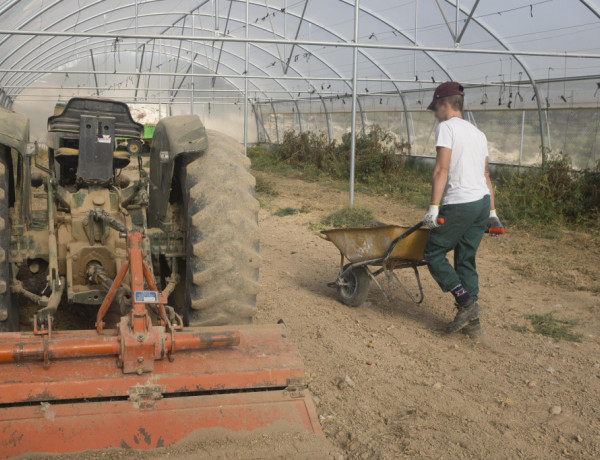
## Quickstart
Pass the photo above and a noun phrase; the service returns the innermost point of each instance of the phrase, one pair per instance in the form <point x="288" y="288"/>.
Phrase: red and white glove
<point x="494" y="226"/>
<point x="431" y="218"/>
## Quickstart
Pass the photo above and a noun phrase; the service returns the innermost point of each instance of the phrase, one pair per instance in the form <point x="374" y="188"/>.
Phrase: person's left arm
<point x="494" y="226"/>
<point x="488" y="180"/>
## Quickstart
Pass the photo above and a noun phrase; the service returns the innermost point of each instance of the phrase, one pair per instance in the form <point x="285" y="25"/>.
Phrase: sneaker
<point x="465" y="314"/>
<point x="472" y="329"/>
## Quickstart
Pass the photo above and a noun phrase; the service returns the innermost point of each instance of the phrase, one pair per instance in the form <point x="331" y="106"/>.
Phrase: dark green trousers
<point x="462" y="231"/>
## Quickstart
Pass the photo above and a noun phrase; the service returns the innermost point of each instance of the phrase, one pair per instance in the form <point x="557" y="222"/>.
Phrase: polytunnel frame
<point x="184" y="17"/>
<point x="6" y="99"/>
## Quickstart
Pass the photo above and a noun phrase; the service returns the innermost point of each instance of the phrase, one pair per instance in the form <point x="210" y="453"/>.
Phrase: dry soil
<point x="389" y="383"/>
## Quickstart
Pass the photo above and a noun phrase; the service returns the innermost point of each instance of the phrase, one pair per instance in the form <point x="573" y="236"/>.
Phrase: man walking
<point x="461" y="176"/>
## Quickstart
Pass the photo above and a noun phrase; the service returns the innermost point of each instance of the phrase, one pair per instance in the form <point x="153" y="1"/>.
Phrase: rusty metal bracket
<point x="46" y="333"/>
<point x="145" y="396"/>
<point x="295" y="387"/>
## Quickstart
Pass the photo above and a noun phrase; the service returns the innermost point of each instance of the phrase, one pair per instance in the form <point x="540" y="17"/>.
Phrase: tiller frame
<point x="63" y="391"/>
<point x="138" y="343"/>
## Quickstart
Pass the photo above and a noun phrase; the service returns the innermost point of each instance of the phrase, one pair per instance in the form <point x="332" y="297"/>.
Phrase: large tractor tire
<point x="222" y="235"/>
<point x="11" y="322"/>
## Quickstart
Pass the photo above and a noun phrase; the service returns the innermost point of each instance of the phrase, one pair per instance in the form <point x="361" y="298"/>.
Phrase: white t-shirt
<point x="466" y="173"/>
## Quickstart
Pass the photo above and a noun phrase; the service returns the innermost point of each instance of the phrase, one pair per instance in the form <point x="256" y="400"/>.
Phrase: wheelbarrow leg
<point x="336" y="283"/>
<point x="421" y="295"/>
<point x="373" y="275"/>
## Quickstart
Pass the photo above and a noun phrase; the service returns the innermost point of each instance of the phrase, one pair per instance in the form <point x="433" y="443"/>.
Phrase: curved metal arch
<point x="382" y="69"/>
<point x="187" y="59"/>
<point x="331" y="67"/>
<point x="327" y="65"/>
<point x="521" y="62"/>
<point x="76" y="57"/>
<point x="404" y="34"/>
<point x="374" y="61"/>
<point x="8" y="6"/>
<point x="100" y="45"/>
<point x="15" y="79"/>
<point x="29" y="19"/>
<point x="68" y="45"/>
<point x="442" y="67"/>
<point x="591" y="7"/>
<point x="428" y="54"/>
<point x="400" y="93"/>
<point x="308" y="20"/>
<point x="74" y="13"/>
<point x="68" y="49"/>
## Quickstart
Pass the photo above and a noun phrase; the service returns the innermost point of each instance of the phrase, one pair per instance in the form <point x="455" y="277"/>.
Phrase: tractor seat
<point x="68" y="157"/>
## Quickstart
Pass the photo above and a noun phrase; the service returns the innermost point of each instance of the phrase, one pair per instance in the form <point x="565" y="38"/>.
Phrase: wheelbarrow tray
<point x="362" y="244"/>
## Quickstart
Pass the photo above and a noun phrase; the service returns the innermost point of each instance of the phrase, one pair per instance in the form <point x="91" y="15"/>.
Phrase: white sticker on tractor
<point x="105" y="139"/>
<point x="146" y="297"/>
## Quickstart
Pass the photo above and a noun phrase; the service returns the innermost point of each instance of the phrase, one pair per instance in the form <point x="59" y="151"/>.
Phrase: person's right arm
<point x="440" y="174"/>
<point x="438" y="184"/>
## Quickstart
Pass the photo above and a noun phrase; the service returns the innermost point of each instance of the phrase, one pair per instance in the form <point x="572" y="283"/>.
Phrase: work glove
<point x="494" y="226"/>
<point x="431" y="218"/>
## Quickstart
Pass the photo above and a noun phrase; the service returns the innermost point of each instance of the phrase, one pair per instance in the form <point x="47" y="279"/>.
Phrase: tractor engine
<point x="91" y="202"/>
<point x="90" y="215"/>
<point x="87" y="243"/>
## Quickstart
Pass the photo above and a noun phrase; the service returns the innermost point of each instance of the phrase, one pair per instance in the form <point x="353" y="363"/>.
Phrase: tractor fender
<point x="14" y="130"/>
<point x="177" y="136"/>
<point x="14" y="134"/>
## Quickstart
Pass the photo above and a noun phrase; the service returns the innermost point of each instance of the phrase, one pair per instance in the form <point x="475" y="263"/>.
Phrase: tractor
<point x="171" y="246"/>
<point x="196" y="207"/>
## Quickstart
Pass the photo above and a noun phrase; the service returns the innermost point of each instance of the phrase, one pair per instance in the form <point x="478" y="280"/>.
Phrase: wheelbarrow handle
<point x="408" y="232"/>
<point x="381" y="260"/>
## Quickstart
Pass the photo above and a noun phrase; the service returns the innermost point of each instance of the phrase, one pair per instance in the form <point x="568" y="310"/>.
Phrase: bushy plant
<point x="375" y="154"/>
<point x="554" y="195"/>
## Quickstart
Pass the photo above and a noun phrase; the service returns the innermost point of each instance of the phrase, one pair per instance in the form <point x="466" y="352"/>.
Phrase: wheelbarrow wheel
<point x="354" y="287"/>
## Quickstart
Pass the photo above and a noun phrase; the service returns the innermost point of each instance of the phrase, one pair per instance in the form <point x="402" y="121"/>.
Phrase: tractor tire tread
<point x="11" y="323"/>
<point x="222" y="235"/>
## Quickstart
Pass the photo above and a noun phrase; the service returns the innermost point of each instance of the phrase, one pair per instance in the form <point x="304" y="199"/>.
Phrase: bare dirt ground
<point x="427" y="394"/>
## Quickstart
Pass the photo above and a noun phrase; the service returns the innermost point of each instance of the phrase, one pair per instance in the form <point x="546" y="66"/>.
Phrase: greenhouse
<point x="300" y="229"/>
<point x="257" y="69"/>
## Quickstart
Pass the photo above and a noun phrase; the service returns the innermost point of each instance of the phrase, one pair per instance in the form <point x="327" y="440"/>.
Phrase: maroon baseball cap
<point x="450" y="88"/>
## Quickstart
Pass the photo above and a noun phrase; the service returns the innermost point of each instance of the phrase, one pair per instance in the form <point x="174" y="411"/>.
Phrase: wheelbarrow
<point x="366" y="253"/>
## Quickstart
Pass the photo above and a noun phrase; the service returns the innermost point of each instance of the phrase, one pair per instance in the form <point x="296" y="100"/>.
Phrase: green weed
<point x="287" y="211"/>
<point x="265" y="187"/>
<point x="550" y="326"/>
